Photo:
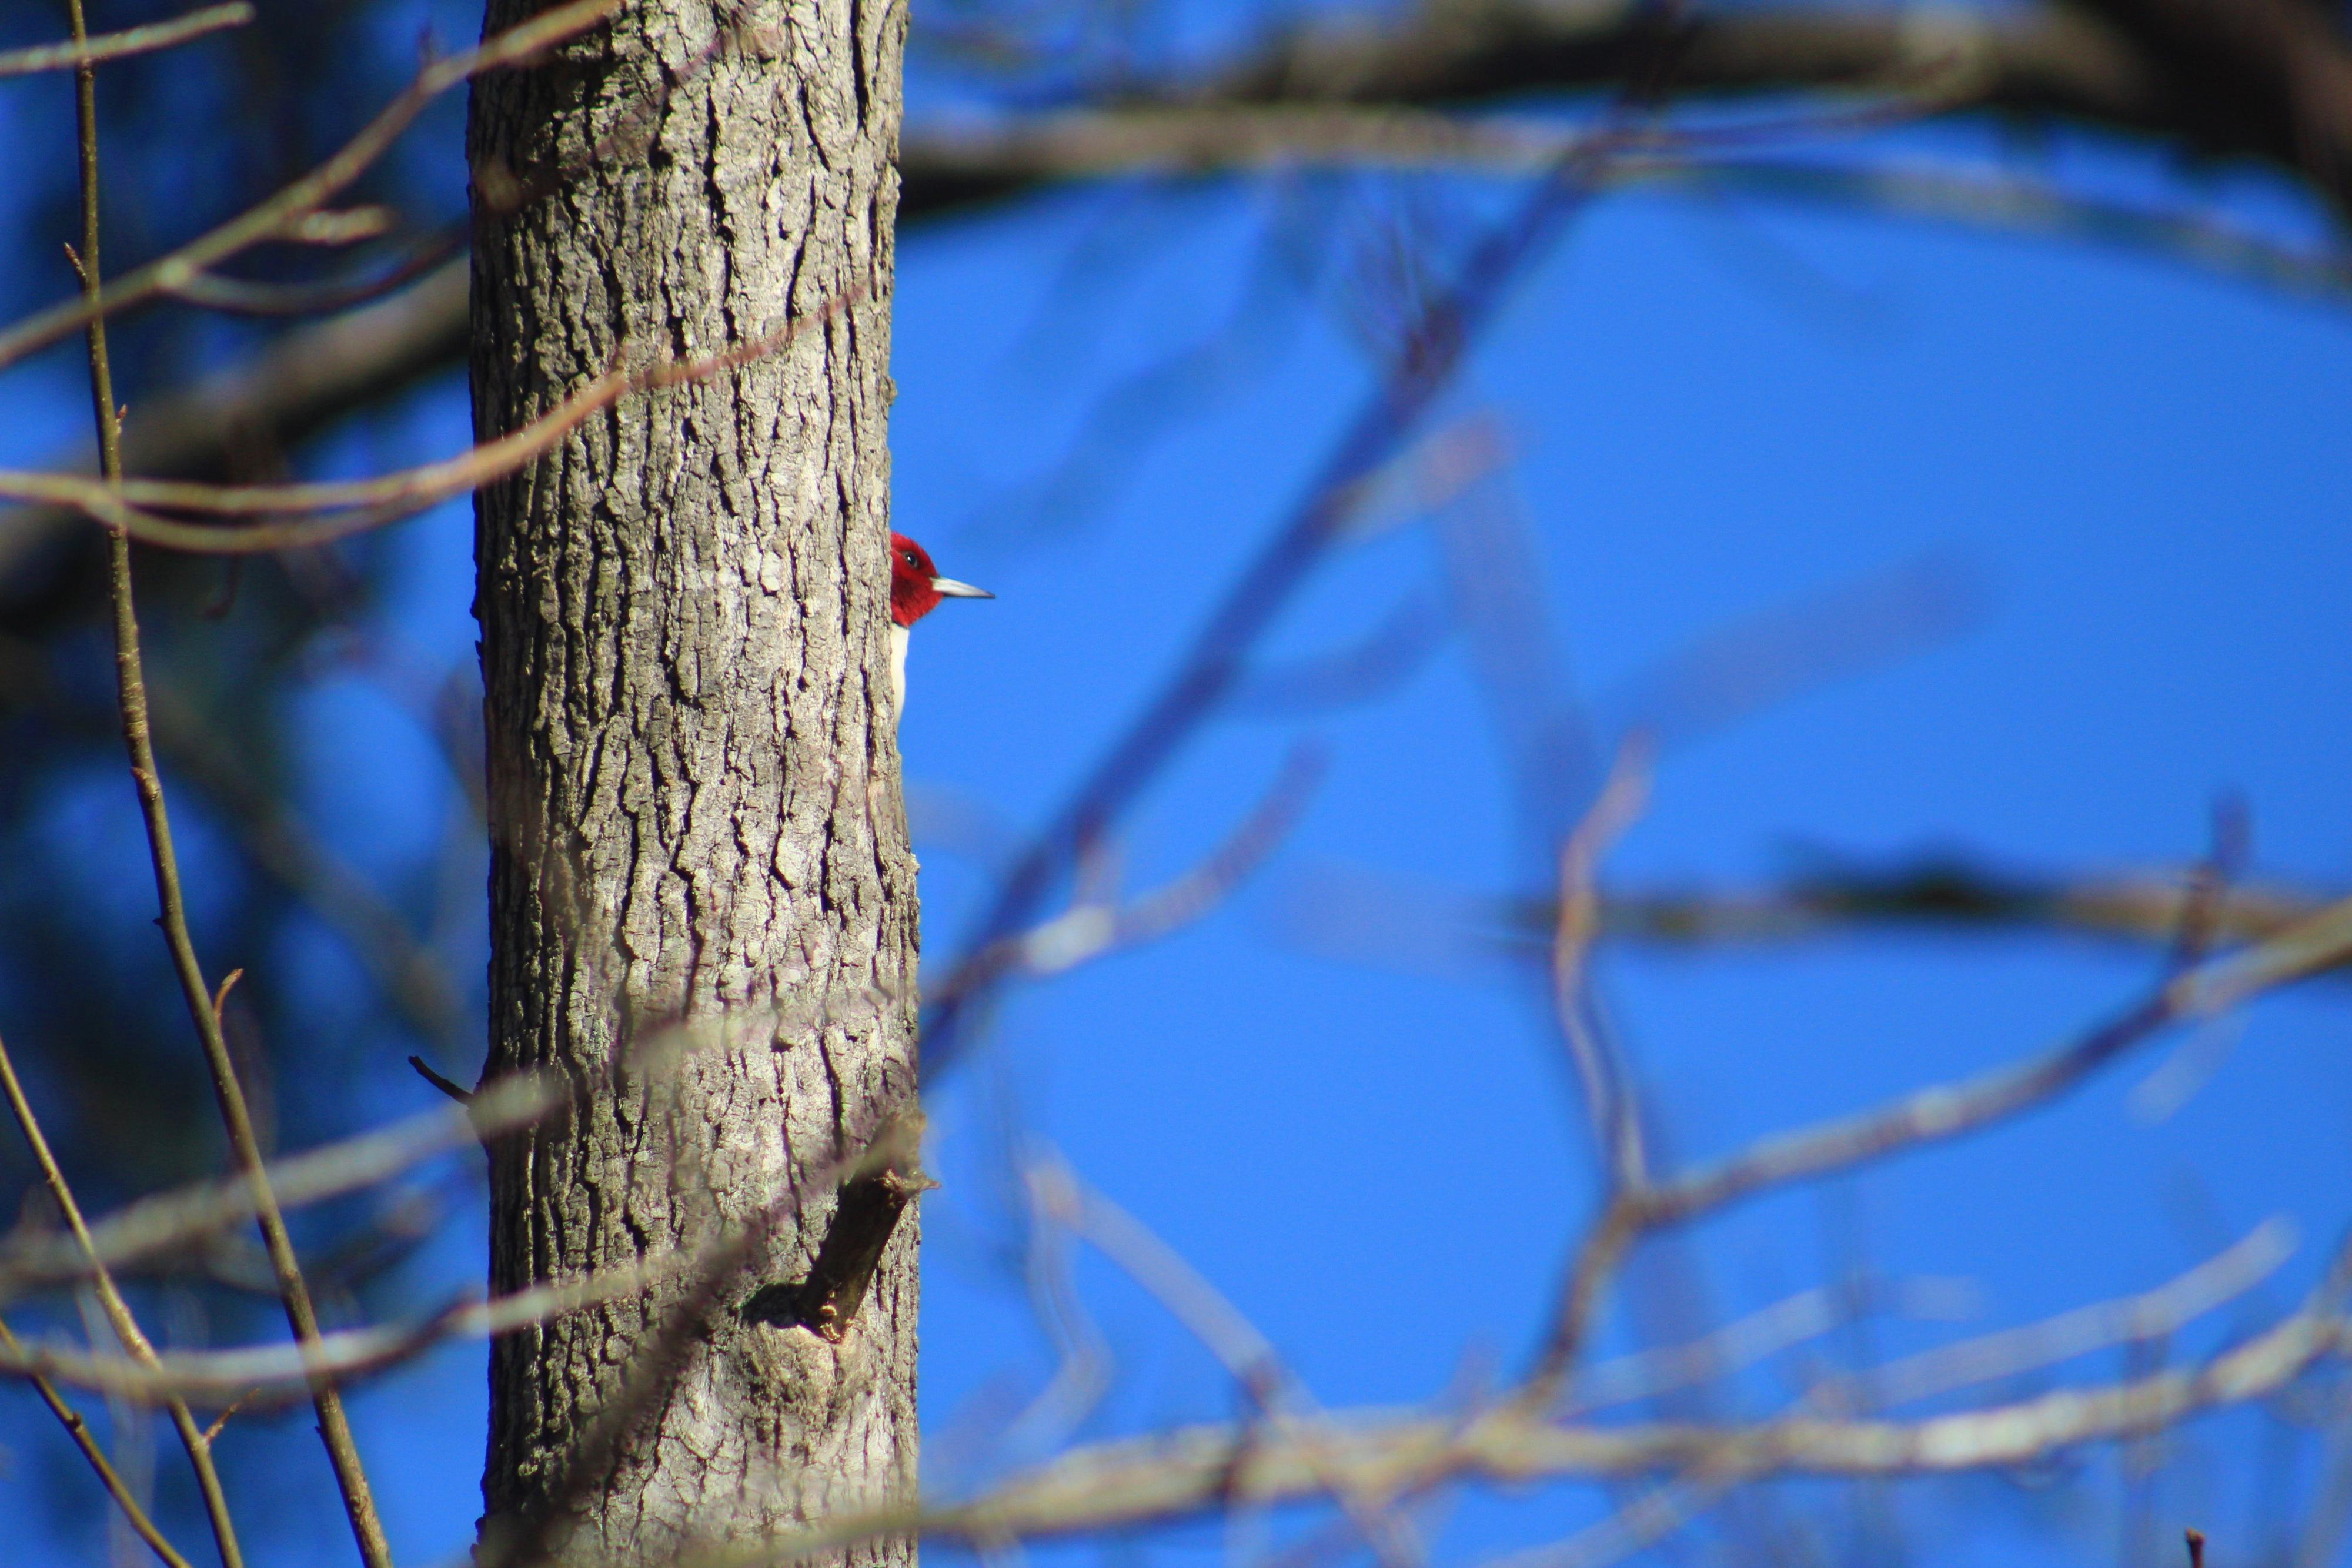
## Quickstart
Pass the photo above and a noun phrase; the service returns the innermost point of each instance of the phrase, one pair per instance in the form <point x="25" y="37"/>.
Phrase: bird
<point x="916" y="589"/>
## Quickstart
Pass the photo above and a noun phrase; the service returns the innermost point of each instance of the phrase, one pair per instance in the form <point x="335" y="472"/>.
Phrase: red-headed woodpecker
<point x="916" y="589"/>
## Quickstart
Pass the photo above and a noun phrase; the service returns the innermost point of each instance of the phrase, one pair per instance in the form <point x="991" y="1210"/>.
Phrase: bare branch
<point x="102" y="47"/>
<point x="138" y="738"/>
<point x="278" y="215"/>
<point x="1428" y="352"/>
<point x="265" y="1375"/>
<point x="169" y="1221"/>
<point x="1179" y="1474"/>
<point x="1929" y="1115"/>
<point x="2123" y="70"/>
<point x="356" y="505"/>
<point x="2014" y="205"/>
<point x="226" y="425"/>
<point x="79" y="1430"/>
<point x="1933" y="1115"/>
<point x="1093" y="928"/>
<point x="119" y="1315"/>
<point x="1608" y="1090"/>
<point x="238" y="297"/>
<point x="1247" y="1355"/>
<point x="1944" y="892"/>
<point x="2152" y="1315"/>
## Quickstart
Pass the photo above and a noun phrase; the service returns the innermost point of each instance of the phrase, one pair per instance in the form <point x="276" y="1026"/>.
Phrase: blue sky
<point x="1716" y="409"/>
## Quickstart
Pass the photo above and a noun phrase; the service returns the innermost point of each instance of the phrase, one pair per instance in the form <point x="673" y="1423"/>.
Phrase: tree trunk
<point x="702" y="899"/>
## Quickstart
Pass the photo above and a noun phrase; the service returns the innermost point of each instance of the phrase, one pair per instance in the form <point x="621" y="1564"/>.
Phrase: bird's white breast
<point x="897" y="672"/>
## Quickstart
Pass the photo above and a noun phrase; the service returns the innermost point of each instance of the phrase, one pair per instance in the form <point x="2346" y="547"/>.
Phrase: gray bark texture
<point x="703" y="908"/>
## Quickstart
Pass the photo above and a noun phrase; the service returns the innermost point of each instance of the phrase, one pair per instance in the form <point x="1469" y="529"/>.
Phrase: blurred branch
<point x="171" y="1220"/>
<point x="341" y="508"/>
<point x="1175" y="1474"/>
<point x="1429" y="348"/>
<point x="282" y="213"/>
<point x="2011" y="204"/>
<point x="1647" y="1518"/>
<point x="2191" y="987"/>
<point x="1095" y="927"/>
<point x="2127" y="66"/>
<point x="138" y="739"/>
<point x="2152" y="1315"/>
<point x="135" y="1344"/>
<point x="79" y="1430"/>
<point x="1082" y="1370"/>
<point x="102" y="47"/>
<point x="2255" y="79"/>
<point x="1391" y="652"/>
<point x="1941" y="891"/>
<point x="2256" y="1368"/>
<point x="264" y="1376"/>
<point x="2248" y="78"/>
<point x="411" y="976"/>
<point x="240" y="420"/>
<point x="1189" y="139"/>
<point x="1361" y="916"/>
<point x="1608" y="1088"/>
<point x="1935" y="1115"/>
<point x="1647" y="1375"/>
<point x="238" y="297"/>
<point x="1277" y="1392"/>
<point x="274" y="837"/>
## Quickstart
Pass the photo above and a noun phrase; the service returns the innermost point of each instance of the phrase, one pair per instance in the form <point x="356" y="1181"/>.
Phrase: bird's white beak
<point x="949" y="588"/>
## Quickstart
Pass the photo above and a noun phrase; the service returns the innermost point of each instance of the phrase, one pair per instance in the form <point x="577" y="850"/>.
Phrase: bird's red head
<point x="916" y="585"/>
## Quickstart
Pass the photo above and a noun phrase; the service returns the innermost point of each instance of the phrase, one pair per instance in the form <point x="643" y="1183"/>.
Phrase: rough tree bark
<point x="702" y="903"/>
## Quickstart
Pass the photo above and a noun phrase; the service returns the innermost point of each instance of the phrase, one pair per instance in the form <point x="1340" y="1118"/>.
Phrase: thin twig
<point x="221" y="1420"/>
<point x="274" y="1375"/>
<point x="242" y="296"/>
<point x="2151" y="1314"/>
<point x="119" y="1314"/>
<point x="173" y="1219"/>
<point x="276" y="216"/>
<point x="1178" y="1474"/>
<point x="1607" y="1089"/>
<point x="1933" y="1115"/>
<point x="2190" y="988"/>
<point x="1247" y="1355"/>
<point x="83" y="52"/>
<point x="1430" y="352"/>
<point x="79" y="1430"/>
<point x="335" y="1427"/>
<point x="356" y="505"/>
<point x="1649" y="1374"/>
<point x="1094" y="927"/>
<point x="1648" y="1518"/>
<point x="456" y="1091"/>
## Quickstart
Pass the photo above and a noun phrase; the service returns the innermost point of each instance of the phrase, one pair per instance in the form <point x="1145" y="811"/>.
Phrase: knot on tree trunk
<point x="873" y="1199"/>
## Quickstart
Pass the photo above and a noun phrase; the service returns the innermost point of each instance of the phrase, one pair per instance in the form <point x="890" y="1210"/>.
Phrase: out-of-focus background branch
<point x="2267" y="82"/>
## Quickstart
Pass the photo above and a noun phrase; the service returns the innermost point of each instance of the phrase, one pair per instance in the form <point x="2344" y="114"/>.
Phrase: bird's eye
<point x="909" y="557"/>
